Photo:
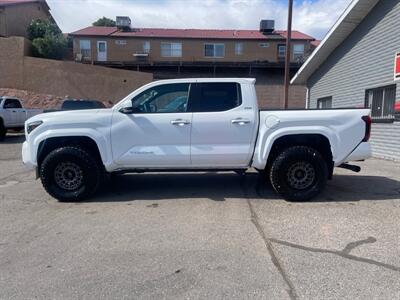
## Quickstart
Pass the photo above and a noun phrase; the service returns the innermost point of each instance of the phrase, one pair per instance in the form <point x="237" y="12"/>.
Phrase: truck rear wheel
<point x="70" y="174"/>
<point x="299" y="173"/>
<point x="3" y="131"/>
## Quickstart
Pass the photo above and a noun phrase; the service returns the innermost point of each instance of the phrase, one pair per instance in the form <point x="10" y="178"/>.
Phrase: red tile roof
<point x="13" y="2"/>
<point x="188" y="33"/>
<point x="296" y="35"/>
<point x="95" y="30"/>
<point x="316" y="43"/>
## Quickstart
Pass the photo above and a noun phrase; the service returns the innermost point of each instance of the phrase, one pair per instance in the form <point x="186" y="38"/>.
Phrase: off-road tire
<point x="90" y="175"/>
<point x="3" y="131"/>
<point x="284" y="165"/>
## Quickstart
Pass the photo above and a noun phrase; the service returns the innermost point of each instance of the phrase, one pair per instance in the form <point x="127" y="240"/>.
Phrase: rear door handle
<point x="180" y="122"/>
<point x="240" y="121"/>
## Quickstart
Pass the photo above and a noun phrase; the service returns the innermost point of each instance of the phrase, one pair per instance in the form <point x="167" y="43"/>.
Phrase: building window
<point x="84" y="46"/>
<point x="263" y="45"/>
<point x="214" y="50"/>
<point x="298" y="50"/>
<point x="171" y="49"/>
<point x="325" y="102"/>
<point x="146" y="47"/>
<point x="239" y="48"/>
<point x="120" y="42"/>
<point x="381" y="101"/>
<point x="281" y="50"/>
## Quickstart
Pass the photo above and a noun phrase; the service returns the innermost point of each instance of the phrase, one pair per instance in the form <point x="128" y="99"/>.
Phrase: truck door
<point x="156" y="130"/>
<point x="11" y="112"/>
<point x="223" y="126"/>
<point x="21" y="113"/>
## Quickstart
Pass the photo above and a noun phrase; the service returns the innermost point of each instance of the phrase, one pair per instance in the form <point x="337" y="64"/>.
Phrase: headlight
<point x="31" y="126"/>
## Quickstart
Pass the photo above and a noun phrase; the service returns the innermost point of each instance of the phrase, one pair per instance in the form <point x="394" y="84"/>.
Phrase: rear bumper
<point x="363" y="151"/>
<point x="27" y="158"/>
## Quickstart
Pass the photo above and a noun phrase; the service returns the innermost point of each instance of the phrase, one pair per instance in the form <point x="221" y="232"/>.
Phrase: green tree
<point x="39" y="28"/>
<point x="47" y="39"/>
<point x="104" y="22"/>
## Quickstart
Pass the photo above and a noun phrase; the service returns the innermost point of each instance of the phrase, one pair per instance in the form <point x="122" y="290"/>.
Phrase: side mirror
<point x="126" y="110"/>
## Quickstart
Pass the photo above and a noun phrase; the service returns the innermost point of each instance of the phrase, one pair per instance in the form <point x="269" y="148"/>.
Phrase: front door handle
<point x="180" y="122"/>
<point x="240" y="121"/>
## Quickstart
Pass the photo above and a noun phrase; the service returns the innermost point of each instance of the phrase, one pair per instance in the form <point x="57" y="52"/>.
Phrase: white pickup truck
<point x="13" y="115"/>
<point x="194" y="125"/>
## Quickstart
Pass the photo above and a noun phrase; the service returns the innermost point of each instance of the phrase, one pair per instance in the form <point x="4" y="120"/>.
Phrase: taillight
<point x="368" y="121"/>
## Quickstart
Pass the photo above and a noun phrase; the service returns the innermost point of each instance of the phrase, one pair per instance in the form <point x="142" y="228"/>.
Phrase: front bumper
<point x="363" y="151"/>
<point x="27" y="158"/>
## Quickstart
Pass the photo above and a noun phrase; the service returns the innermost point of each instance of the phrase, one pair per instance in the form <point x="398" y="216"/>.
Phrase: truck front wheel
<point x="70" y="174"/>
<point x="299" y="173"/>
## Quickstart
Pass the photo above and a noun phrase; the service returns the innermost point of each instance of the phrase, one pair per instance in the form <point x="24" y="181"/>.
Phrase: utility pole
<point x="288" y="55"/>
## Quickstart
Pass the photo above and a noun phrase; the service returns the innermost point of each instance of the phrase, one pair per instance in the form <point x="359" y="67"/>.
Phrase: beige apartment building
<point x="16" y="15"/>
<point x="178" y="53"/>
<point x="160" y="46"/>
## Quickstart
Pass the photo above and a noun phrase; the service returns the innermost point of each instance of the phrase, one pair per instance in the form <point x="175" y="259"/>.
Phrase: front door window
<point x="167" y="98"/>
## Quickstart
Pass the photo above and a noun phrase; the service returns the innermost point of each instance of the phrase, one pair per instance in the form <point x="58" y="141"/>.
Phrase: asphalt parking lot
<point x="174" y="236"/>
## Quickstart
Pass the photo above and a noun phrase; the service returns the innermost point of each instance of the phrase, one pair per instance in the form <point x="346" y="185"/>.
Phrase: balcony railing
<point x="141" y="56"/>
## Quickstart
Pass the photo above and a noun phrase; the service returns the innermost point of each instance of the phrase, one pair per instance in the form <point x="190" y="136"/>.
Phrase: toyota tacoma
<point x="194" y="125"/>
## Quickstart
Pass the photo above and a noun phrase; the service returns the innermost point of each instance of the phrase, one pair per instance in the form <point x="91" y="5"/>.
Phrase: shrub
<point x="47" y="39"/>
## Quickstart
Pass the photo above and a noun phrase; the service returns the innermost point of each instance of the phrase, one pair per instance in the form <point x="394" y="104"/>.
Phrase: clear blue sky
<point x="313" y="17"/>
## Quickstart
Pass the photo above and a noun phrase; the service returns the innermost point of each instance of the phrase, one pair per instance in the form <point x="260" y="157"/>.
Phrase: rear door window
<point x="215" y="96"/>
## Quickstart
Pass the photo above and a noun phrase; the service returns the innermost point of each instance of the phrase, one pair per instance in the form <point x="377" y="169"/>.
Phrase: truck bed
<point x="344" y="128"/>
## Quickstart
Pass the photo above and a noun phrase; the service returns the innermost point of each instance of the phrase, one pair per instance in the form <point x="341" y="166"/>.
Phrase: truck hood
<point x="71" y="116"/>
<point x="72" y="122"/>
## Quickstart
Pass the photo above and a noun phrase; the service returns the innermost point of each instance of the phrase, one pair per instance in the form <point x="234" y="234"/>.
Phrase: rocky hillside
<point x="35" y="100"/>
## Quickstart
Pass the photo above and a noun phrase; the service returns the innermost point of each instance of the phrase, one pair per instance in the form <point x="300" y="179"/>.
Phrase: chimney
<point x="267" y="26"/>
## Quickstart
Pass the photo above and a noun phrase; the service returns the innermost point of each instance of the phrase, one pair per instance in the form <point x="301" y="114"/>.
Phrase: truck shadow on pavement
<point x="229" y="185"/>
<point x="13" y="139"/>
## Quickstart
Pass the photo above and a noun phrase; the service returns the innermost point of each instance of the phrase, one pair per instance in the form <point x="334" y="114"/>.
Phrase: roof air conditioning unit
<point x="267" y="26"/>
<point x="123" y="23"/>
